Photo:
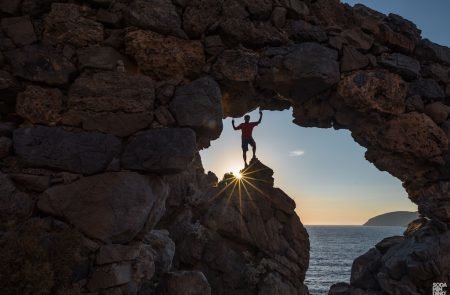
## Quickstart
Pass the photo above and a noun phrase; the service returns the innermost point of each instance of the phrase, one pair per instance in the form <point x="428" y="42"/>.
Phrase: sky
<point x="324" y="170"/>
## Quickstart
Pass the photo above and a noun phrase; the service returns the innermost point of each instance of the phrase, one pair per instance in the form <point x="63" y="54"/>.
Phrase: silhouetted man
<point x="247" y="138"/>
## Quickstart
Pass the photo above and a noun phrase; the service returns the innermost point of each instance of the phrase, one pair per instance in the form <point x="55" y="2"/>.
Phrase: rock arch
<point x="86" y="87"/>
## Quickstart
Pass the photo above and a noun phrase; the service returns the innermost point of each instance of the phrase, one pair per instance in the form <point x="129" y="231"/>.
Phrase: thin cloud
<point x="296" y="153"/>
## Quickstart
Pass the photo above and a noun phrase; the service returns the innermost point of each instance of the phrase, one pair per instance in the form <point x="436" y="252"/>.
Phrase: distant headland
<point x="397" y="218"/>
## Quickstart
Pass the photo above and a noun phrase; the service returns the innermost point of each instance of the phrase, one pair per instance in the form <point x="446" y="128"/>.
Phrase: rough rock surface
<point x="160" y="150"/>
<point x="111" y="207"/>
<point x="198" y="105"/>
<point x="55" y="148"/>
<point x="165" y="57"/>
<point x="39" y="63"/>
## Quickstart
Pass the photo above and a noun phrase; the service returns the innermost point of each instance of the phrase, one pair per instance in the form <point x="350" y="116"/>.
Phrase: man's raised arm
<point x="234" y="127"/>
<point x="260" y="116"/>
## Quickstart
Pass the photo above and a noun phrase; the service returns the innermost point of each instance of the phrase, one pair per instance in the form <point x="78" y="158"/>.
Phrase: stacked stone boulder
<point x="105" y="104"/>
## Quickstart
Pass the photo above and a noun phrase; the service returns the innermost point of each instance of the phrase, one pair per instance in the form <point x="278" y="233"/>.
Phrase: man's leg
<point x="244" y="151"/>
<point x="253" y="143"/>
<point x="245" y="157"/>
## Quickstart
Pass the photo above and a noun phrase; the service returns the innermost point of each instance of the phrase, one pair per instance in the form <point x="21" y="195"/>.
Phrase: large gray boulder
<point x="299" y="72"/>
<point x="111" y="207"/>
<point x="38" y="63"/>
<point x="81" y="152"/>
<point x="432" y="51"/>
<point x="198" y="105"/>
<point x="427" y="88"/>
<point x="165" y="150"/>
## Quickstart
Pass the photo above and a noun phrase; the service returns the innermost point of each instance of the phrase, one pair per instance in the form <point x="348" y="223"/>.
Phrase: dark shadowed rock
<point x="396" y="40"/>
<point x="437" y="72"/>
<point x="426" y="88"/>
<point x="110" y="275"/>
<point x="274" y="284"/>
<point x="405" y="66"/>
<point x="432" y="51"/>
<point x="10" y="7"/>
<point x="38" y="63"/>
<point x="111" y="207"/>
<point x="117" y="253"/>
<point x="388" y="243"/>
<point x="40" y="105"/>
<point x="19" y="29"/>
<point x="65" y="24"/>
<point x="156" y="15"/>
<point x="302" y="31"/>
<point x="113" y="19"/>
<point x="164" y="248"/>
<point x="55" y="148"/>
<point x="185" y="283"/>
<point x="297" y="8"/>
<point x="165" y="57"/>
<point x="437" y="111"/>
<point x="37" y="183"/>
<point x="5" y="147"/>
<point x="15" y="206"/>
<point x="198" y="105"/>
<point x="415" y="104"/>
<point x="278" y="17"/>
<point x="364" y="270"/>
<point x="36" y="7"/>
<point x="352" y="60"/>
<point x="357" y="39"/>
<point x="103" y="58"/>
<point x="299" y="72"/>
<point x="112" y="92"/>
<point x="253" y="34"/>
<point x="199" y="15"/>
<point x="165" y="150"/>
<point x="118" y="123"/>
<point x="339" y="289"/>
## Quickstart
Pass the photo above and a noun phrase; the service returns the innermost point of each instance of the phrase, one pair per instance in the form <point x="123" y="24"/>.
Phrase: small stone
<point x="415" y="104"/>
<point x="438" y="112"/>
<point x="164" y="117"/>
<point x="109" y="18"/>
<point x="40" y="105"/>
<point x="164" y="247"/>
<point x="165" y="93"/>
<point x="279" y="17"/>
<point x="303" y="31"/>
<point x="104" y="58"/>
<point x="19" y="29"/>
<point x="352" y="60"/>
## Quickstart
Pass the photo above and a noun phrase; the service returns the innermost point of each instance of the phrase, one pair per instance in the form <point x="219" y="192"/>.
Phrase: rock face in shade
<point x="160" y="150"/>
<point x="300" y="71"/>
<point x="198" y="105"/>
<point x="41" y="64"/>
<point x="111" y="207"/>
<point x="258" y="217"/>
<point x="83" y="152"/>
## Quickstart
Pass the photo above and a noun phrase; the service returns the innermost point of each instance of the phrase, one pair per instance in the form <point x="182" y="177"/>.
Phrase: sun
<point x="236" y="173"/>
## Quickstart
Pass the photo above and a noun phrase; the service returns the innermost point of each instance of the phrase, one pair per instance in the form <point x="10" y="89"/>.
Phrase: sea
<point x="333" y="249"/>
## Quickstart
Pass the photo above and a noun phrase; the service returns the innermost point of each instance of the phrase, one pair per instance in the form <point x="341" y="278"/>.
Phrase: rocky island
<point x="105" y="104"/>
<point x="397" y="218"/>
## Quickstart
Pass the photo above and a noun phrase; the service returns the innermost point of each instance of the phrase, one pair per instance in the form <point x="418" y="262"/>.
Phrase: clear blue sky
<point x="324" y="170"/>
